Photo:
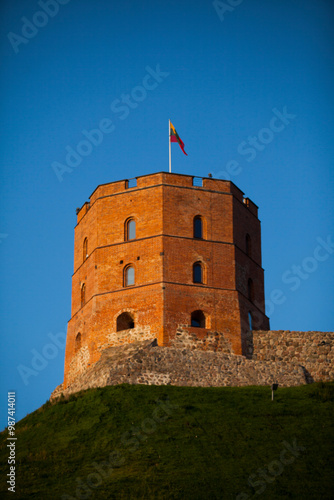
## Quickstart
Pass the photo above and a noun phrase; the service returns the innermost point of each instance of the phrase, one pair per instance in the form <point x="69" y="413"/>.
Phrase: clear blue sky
<point x="224" y="78"/>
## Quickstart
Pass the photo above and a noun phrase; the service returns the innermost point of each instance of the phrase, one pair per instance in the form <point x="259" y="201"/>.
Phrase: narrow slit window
<point x="83" y="295"/>
<point x="197" y="273"/>
<point x="250" y="290"/>
<point x="129" y="276"/>
<point x="78" y="342"/>
<point x="130" y="229"/>
<point x="248" y="245"/>
<point x="85" y="249"/>
<point x="250" y="321"/>
<point x="198" y="227"/>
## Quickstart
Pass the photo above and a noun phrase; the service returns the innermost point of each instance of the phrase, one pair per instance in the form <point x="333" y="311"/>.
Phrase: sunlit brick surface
<point x="164" y="296"/>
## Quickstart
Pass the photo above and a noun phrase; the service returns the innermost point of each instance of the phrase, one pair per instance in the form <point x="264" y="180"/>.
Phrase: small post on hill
<point x="273" y="388"/>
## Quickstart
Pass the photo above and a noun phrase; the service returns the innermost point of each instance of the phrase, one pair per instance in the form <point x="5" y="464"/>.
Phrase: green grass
<point x="208" y="445"/>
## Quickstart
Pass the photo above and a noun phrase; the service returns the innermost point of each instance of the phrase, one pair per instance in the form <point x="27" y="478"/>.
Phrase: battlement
<point x="166" y="178"/>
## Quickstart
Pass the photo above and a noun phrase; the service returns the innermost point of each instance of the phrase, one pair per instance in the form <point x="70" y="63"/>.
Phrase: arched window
<point x="250" y="290"/>
<point x="250" y="321"/>
<point x="197" y="273"/>
<point x="198" y="227"/>
<point x="85" y="249"/>
<point x="124" y="321"/>
<point x="129" y="276"/>
<point x="83" y="294"/>
<point x="248" y="245"/>
<point x="198" y="319"/>
<point x="130" y="229"/>
<point x="77" y="342"/>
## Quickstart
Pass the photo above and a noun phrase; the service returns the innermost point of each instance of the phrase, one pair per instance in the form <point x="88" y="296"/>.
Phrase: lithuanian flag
<point x="174" y="137"/>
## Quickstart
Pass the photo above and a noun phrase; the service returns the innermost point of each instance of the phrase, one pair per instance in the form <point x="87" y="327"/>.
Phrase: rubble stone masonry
<point x="286" y="358"/>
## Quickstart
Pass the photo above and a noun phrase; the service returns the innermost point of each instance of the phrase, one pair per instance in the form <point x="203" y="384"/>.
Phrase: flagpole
<point x="170" y="149"/>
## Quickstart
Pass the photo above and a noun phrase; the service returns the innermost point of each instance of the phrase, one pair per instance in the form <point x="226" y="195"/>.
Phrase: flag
<point x="174" y="137"/>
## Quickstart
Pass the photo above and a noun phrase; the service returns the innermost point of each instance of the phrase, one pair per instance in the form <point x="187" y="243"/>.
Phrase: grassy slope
<point x="211" y="442"/>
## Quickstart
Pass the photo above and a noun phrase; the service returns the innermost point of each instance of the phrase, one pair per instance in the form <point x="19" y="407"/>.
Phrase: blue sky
<point x="225" y="74"/>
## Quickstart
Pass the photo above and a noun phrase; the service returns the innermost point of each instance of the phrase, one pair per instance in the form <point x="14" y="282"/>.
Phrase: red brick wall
<point x="163" y="253"/>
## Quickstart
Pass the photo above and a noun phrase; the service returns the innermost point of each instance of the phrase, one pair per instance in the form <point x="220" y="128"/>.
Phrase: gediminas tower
<point x="162" y="252"/>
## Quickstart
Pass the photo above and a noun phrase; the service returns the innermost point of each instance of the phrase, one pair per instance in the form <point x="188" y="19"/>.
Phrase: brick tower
<point x="162" y="252"/>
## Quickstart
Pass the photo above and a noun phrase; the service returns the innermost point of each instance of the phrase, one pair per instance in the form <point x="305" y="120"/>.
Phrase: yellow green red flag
<point x="174" y="137"/>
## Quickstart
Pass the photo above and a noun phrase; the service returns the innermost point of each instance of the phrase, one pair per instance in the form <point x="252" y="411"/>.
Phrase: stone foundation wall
<point x="312" y="350"/>
<point x="79" y="362"/>
<point x="197" y="357"/>
<point x="88" y="356"/>
<point x="200" y="338"/>
<point x="126" y="337"/>
<point x="147" y="363"/>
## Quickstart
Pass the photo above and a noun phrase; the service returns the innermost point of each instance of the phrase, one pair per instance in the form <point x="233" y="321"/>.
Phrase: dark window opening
<point x="250" y="290"/>
<point x="248" y="245"/>
<point x="197" y="273"/>
<point x="198" y="319"/>
<point x="198" y="227"/>
<point x="83" y="295"/>
<point x="250" y="321"/>
<point x="124" y="321"/>
<point x="85" y="249"/>
<point x="78" y="342"/>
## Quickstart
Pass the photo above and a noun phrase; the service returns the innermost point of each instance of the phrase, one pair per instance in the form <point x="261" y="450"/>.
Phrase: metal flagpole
<point x="170" y="149"/>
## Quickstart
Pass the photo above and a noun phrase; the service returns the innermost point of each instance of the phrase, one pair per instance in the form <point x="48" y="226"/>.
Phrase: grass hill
<point x="164" y="442"/>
